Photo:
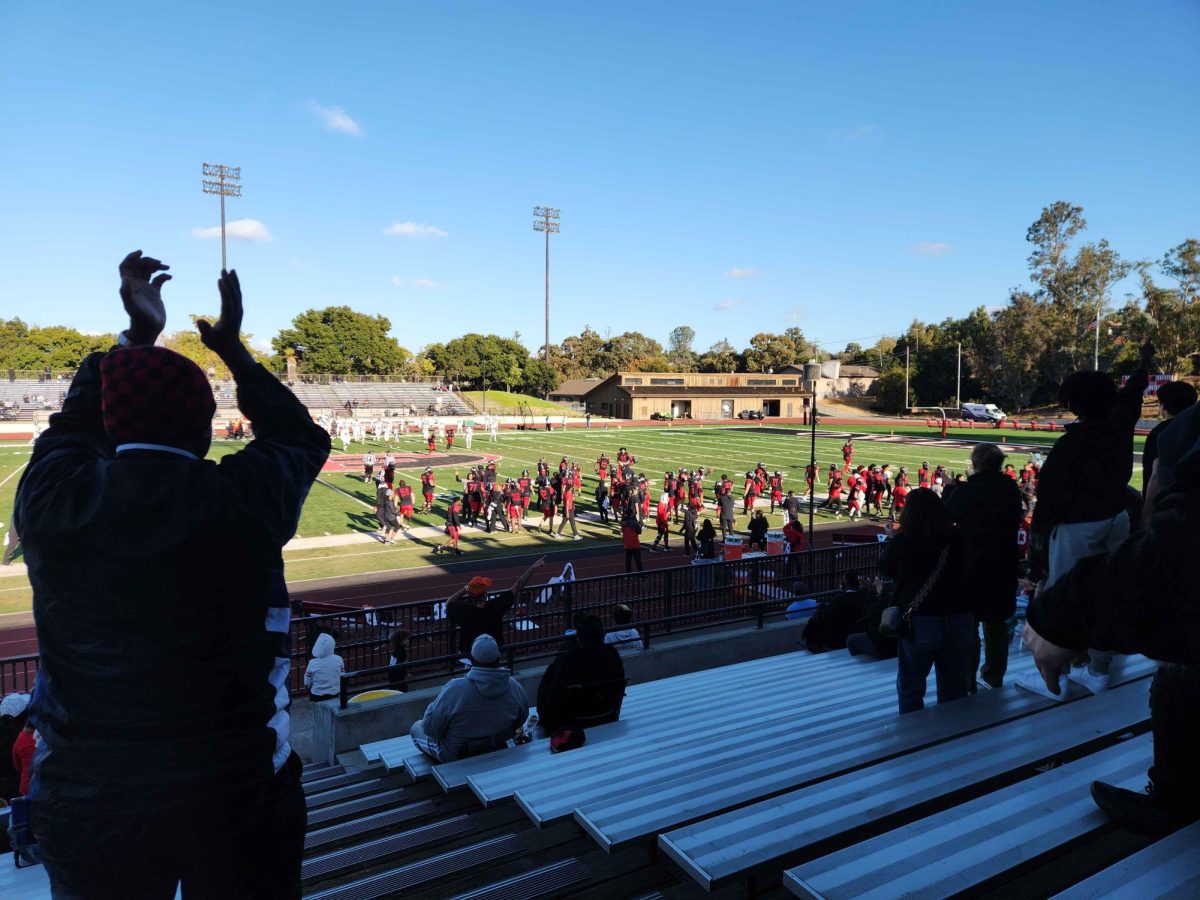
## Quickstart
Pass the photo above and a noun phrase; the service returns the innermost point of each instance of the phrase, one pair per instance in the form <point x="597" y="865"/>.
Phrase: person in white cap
<point x="475" y="714"/>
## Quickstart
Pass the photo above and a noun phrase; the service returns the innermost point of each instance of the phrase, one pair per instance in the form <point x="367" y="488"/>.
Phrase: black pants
<point x="225" y="845"/>
<point x="995" y="655"/>
<point x="633" y="557"/>
<point x="1175" y="722"/>
<point x="689" y="543"/>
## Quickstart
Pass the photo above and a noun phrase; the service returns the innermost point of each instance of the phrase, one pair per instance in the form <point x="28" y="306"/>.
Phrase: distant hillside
<point x="504" y="401"/>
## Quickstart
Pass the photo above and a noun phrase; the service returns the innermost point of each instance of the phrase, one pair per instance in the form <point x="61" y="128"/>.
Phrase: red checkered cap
<point x="154" y="395"/>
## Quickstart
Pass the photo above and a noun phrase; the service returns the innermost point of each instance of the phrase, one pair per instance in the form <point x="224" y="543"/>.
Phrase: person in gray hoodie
<point x="475" y="714"/>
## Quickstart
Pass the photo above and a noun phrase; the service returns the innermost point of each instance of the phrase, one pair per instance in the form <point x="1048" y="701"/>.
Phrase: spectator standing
<point x="758" y="531"/>
<point x="474" y="714"/>
<point x="323" y="674"/>
<point x="397" y="674"/>
<point x="690" y="547"/>
<point x="626" y="638"/>
<point x="1081" y="508"/>
<point x="708" y="540"/>
<point x="725" y="514"/>
<point x="163" y="706"/>
<point x="631" y="539"/>
<point x="1142" y="598"/>
<point x="476" y="612"/>
<point x="927" y="561"/>
<point x="591" y="663"/>
<point x="1173" y="398"/>
<point x="987" y="512"/>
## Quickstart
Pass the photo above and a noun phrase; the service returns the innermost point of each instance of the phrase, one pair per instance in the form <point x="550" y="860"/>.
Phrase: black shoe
<point x="1139" y="811"/>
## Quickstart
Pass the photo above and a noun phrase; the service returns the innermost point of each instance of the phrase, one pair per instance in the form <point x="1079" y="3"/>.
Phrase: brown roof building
<point x="696" y="395"/>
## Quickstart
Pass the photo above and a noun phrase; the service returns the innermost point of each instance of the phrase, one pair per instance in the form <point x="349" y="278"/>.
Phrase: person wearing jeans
<point x="927" y="562"/>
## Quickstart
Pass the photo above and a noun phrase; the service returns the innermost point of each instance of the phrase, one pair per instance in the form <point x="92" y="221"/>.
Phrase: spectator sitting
<point x="627" y="640"/>
<point x="13" y="715"/>
<point x="593" y="663"/>
<point x="840" y="616"/>
<point x="22" y="757"/>
<point x="323" y="675"/>
<point x="474" y="714"/>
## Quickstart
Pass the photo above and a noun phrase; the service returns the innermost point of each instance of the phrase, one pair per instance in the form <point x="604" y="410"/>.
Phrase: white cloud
<point x="727" y="304"/>
<point x="396" y="281"/>
<point x="239" y="230"/>
<point x="741" y="272"/>
<point x="864" y="132"/>
<point x="426" y="284"/>
<point x="931" y="248"/>
<point x="335" y="119"/>
<point x="794" y="313"/>
<point x="414" y="229"/>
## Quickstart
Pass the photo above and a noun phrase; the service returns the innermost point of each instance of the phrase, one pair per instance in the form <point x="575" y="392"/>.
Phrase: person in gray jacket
<point x="475" y="714"/>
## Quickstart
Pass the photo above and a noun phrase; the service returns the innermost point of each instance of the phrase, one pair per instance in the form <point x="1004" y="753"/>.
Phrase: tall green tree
<point x="720" y="357"/>
<point x="1007" y="357"/>
<point x="679" y="349"/>
<point x="769" y="352"/>
<point x="1182" y="263"/>
<point x="627" y="351"/>
<point x="581" y="355"/>
<point x="340" y="341"/>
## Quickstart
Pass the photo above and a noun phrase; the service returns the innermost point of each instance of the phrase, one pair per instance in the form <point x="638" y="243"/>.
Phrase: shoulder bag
<point x="897" y="624"/>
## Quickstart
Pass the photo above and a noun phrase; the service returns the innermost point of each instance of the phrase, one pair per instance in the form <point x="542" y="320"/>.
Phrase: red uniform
<point x="406" y="501"/>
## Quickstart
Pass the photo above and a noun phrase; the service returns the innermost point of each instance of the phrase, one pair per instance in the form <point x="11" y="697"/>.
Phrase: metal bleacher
<point x="378" y="396"/>
<point x="791" y="773"/>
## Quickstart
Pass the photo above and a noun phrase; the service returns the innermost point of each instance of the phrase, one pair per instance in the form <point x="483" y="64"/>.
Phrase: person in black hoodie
<point x="927" y="560"/>
<point x="1081" y="508"/>
<point x="162" y="618"/>
<point x="986" y="509"/>
<point x="589" y="662"/>
<point x="1142" y="598"/>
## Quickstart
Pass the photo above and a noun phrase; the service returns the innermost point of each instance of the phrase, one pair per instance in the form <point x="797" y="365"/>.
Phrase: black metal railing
<point x="662" y="601"/>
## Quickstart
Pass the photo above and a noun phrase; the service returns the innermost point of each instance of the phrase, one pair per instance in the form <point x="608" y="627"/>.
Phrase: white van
<point x="983" y="412"/>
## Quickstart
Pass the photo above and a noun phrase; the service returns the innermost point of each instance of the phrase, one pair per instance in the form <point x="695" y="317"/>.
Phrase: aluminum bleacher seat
<point x="635" y="808"/>
<point x="1168" y="868"/>
<point x="767" y="836"/>
<point x="348" y="808"/>
<point x="977" y="843"/>
<point x="319" y="838"/>
<point x="660" y="706"/>
<point x="321" y="772"/>
<point x="335" y="781"/>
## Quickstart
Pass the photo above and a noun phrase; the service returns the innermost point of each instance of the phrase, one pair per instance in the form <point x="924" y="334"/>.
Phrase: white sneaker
<point x="983" y="685"/>
<point x="1089" y="680"/>
<point x="1035" y="684"/>
<point x="577" y="538"/>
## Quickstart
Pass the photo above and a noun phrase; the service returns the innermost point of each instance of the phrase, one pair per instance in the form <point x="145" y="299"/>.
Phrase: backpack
<point x="567" y="738"/>
<point x="25" y="849"/>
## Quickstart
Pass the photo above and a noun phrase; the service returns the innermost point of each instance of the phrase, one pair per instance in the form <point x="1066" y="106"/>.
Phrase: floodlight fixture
<point x="227" y="184"/>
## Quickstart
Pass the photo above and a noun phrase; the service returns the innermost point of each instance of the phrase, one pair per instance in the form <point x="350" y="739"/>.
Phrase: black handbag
<point x="897" y="623"/>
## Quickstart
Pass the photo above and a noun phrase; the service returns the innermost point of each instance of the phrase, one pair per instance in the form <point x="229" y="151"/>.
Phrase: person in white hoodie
<point x="475" y="714"/>
<point x="323" y="676"/>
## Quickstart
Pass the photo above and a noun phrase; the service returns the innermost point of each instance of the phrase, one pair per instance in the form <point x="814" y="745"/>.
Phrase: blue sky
<point x="857" y="165"/>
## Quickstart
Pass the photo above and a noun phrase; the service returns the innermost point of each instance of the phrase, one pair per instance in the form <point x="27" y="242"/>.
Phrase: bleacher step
<point x="539" y="883"/>
<point x="772" y="833"/>
<point x="1168" y="868"/>
<point x="379" y="848"/>
<point x="979" y="842"/>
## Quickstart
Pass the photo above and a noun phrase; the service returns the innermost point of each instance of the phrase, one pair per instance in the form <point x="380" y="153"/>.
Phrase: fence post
<point x="568" y="604"/>
<point x="667" y="601"/>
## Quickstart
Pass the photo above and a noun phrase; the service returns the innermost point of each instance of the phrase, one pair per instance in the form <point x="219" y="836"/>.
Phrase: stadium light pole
<point x="812" y="373"/>
<point x="226" y="183"/>
<point x="547" y="221"/>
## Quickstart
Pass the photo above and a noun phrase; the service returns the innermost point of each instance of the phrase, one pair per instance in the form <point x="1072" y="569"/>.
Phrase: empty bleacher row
<point x="791" y="773"/>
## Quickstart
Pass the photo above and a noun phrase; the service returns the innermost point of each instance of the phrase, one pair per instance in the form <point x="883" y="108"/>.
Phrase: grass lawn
<point x="507" y="400"/>
<point x="339" y="503"/>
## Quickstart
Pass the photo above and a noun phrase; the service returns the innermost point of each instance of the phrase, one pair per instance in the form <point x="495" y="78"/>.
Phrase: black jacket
<point x="910" y="567"/>
<point x="1085" y="473"/>
<point x="472" y="620"/>
<point x="159" y="596"/>
<point x="1145" y="596"/>
<point x="590" y="661"/>
<point x="987" y="510"/>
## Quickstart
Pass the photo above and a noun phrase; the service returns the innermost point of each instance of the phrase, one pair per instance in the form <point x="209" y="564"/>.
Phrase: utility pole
<point x="227" y="184"/>
<point x="1096" y="354"/>
<point x="906" y="403"/>
<point x="958" y="389"/>
<point x="547" y="221"/>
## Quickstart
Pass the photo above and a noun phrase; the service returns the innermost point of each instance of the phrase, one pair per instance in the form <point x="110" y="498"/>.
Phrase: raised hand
<point x="1147" y="356"/>
<point x="225" y="336"/>
<point x="143" y="297"/>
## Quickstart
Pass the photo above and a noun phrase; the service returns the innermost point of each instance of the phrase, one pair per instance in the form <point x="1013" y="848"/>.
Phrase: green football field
<point x="340" y="504"/>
